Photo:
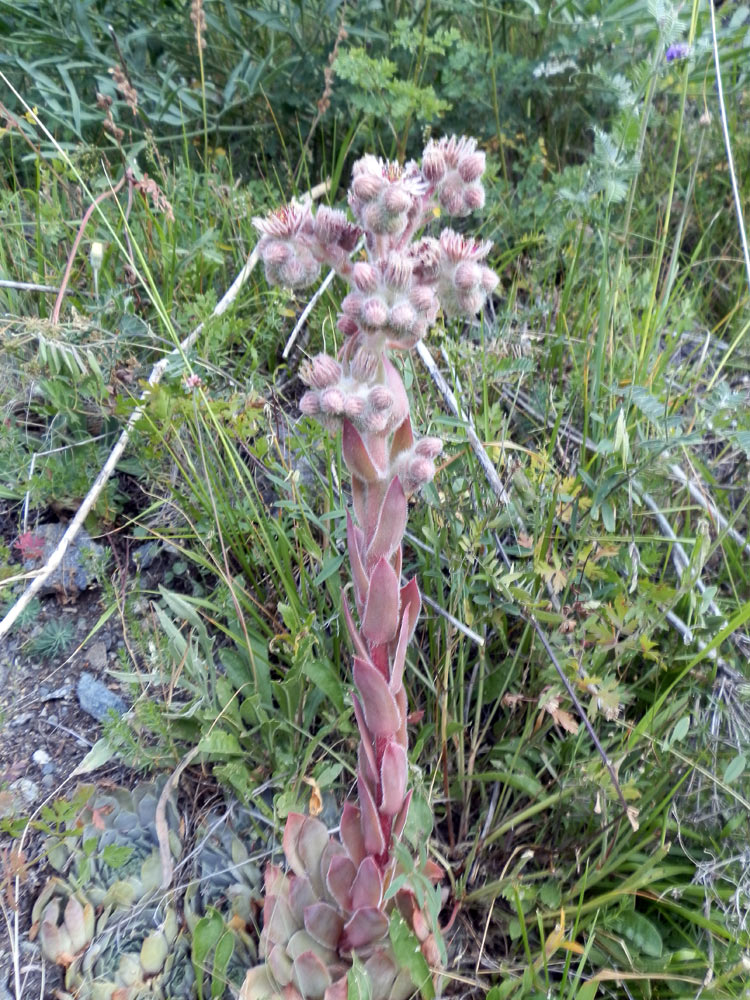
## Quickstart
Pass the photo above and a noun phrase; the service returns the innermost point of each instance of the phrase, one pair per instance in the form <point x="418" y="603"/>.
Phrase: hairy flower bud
<point x="347" y="325"/>
<point x="354" y="407"/>
<point x="397" y="200"/>
<point x="333" y="401"/>
<point x="320" y="372"/>
<point x="403" y="317"/>
<point x="374" y="312"/>
<point x="367" y="186"/>
<point x="467" y="275"/>
<point x="471" y="167"/>
<point x="380" y="398"/>
<point x="310" y="404"/>
<point x="428" y="447"/>
<point x="433" y="163"/>
<point x="397" y="271"/>
<point x="364" y="276"/>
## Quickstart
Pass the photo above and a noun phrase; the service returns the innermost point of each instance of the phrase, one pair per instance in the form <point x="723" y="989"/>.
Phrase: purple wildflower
<point x="677" y="50"/>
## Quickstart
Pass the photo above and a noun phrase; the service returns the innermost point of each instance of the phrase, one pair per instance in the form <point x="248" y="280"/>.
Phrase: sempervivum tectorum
<point x="329" y="907"/>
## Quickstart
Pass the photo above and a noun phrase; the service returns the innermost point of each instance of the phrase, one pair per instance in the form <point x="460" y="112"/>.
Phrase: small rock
<point x="97" y="656"/>
<point x="53" y="719"/>
<point x="41" y="757"/>
<point x="21" y="720"/>
<point x="48" y="768"/>
<point x="27" y="789"/>
<point x="57" y="694"/>
<point x="97" y="700"/>
<point x="48" y="782"/>
<point x="75" y="572"/>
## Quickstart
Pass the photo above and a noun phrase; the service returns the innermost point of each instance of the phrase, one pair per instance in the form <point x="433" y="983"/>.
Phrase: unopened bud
<point x="364" y="276"/>
<point x="397" y="271"/>
<point x="309" y="404"/>
<point x="366" y="186"/>
<point x="428" y="447"/>
<point x="471" y="167"/>
<point x="96" y="255"/>
<point x="467" y="276"/>
<point x="321" y="372"/>
<point x="433" y="164"/>
<point x="490" y="280"/>
<point x="424" y="300"/>
<point x="333" y="401"/>
<point x="474" y="197"/>
<point x="397" y="200"/>
<point x="354" y="407"/>
<point x="347" y="325"/>
<point x="374" y="312"/>
<point x="380" y="398"/>
<point x="403" y="316"/>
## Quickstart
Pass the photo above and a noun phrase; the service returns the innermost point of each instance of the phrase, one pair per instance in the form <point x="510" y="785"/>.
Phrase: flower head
<point x="454" y="166"/>
<point x="677" y="50"/>
<point x="464" y="282"/>
<point x="284" y="246"/>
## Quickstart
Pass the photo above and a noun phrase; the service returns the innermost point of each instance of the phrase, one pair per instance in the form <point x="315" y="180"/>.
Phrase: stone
<point x="41" y="757"/>
<point x="75" y="573"/>
<point x="26" y="789"/>
<point x="97" y="700"/>
<point x="97" y="656"/>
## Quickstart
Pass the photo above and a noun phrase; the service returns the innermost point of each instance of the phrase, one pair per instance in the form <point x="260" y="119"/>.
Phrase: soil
<point x="44" y="736"/>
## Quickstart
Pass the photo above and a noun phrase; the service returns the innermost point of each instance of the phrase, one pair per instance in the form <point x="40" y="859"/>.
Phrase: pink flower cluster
<point x="454" y="166"/>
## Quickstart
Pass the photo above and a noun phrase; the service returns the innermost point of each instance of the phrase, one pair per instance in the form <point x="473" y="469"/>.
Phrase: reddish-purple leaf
<point x="391" y="524"/>
<point x="356" y="638"/>
<point x="351" y="832"/>
<point x="366" y="736"/>
<point x="280" y="965"/>
<point x="380" y="619"/>
<point x="356" y="455"/>
<point x="365" y="926"/>
<point x="367" y="889"/>
<point x="311" y="842"/>
<point x="323" y="923"/>
<point x="312" y="978"/>
<point x="339" y="881"/>
<point x="301" y="895"/>
<point x="400" y="821"/>
<point x="399" y="657"/>
<point x="403" y="439"/>
<point x="279" y="923"/>
<point x="411" y="604"/>
<point x="379" y="705"/>
<point x="392" y="778"/>
<point x="294" y="823"/>
<point x="361" y="583"/>
<point x="372" y="832"/>
<point x="359" y="500"/>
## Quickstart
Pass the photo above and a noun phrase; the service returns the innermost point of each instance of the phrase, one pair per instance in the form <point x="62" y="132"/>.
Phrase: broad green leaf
<point x="206" y="935"/>
<point x="322" y="674"/>
<point x="218" y="741"/>
<point x="639" y="932"/>
<point x="99" y="755"/>
<point x="409" y="956"/>
<point x="680" y="730"/>
<point x="735" y="768"/>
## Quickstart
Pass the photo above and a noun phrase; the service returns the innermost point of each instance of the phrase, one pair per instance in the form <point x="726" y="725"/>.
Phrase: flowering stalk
<point x="333" y="905"/>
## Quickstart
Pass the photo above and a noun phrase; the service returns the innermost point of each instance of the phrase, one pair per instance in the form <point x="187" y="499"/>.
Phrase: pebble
<point x="75" y="572"/>
<point x="97" y="700"/>
<point x="48" y="782"/>
<point x="27" y="789"/>
<point x="53" y="719"/>
<point x="41" y="757"/>
<point x="97" y="656"/>
<point x="21" y="719"/>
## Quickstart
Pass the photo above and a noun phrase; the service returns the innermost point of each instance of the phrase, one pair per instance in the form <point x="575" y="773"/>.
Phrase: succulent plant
<point x="109" y="924"/>
<point x="333" y="909"/>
